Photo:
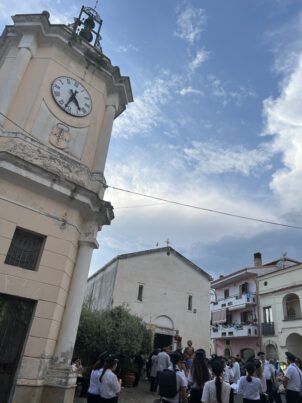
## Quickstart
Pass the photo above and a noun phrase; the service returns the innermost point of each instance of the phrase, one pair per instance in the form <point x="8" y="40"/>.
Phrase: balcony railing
<point x="240" y="300"/>
<point x="292" y="317"/>
<point x="227" y="331"/>
<point x="268" y="329"/>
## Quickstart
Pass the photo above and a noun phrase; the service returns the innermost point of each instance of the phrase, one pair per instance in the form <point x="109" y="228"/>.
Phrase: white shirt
<point x="182" y="382"/>
<point x="228" y="374"/>
<point x="163" y="361"/>
<point x="110" y="386"/>
<point x="293" y="374"/>
<point x="209" y="392"/>
<point x="94" y="382"/>
<point x="236" y="371"/>
<point x="268" y="370"/>
<point x="250" y="390"/>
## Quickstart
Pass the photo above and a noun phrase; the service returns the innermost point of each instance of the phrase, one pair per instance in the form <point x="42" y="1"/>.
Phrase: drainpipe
<point x="258" y="314"/>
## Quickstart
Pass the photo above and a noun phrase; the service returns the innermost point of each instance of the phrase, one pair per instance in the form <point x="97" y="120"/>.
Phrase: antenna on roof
<point x="168" y="247"/>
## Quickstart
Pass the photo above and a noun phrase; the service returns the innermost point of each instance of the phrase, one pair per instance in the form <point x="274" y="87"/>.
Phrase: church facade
<point x="59" y="97"/>
<point x="169" y="292"/>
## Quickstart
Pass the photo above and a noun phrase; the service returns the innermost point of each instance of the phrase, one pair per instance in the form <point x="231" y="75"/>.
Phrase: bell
<point x="89" y="23"/>
<point x="85" y="33"/>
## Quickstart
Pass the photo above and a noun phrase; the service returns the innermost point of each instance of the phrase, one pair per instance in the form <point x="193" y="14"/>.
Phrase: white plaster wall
<point x="168" y="281"/>
<point x="99" y="291"/>
<point x="278" y="285"/>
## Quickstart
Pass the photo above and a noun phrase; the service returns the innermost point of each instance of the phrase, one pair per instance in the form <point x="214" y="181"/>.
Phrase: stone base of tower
<point x="28" y="394"/>
<point x="52" y="394"/>
<point x="46" y="394"/>
<point x="59" y="387"/>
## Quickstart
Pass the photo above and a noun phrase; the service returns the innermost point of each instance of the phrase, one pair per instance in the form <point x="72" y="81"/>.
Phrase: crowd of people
<point x="188" y="376"/>
<point x="217" y="379"/>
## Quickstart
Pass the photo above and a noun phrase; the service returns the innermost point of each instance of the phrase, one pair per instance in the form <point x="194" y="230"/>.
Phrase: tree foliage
<point x="115" y="330"/>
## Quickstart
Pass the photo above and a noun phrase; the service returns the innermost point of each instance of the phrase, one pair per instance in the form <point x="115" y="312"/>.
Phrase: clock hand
<point x="74" y="99"/>
<point x="70" y="98"/>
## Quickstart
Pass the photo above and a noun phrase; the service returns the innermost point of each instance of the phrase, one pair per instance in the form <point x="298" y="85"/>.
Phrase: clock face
<point x="71" y="96"/>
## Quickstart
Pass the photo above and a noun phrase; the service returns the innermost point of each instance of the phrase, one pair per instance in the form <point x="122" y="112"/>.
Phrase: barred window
<point x="25" y="249"/>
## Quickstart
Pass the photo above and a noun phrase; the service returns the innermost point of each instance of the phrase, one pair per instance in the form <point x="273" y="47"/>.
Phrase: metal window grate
<point x="25" y="249"/>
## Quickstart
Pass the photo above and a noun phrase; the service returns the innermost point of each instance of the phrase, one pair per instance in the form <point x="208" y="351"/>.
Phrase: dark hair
<point x="200" y="370"/>
<point x="97" y="365"/>
<point x="109" y="364"/>
<point x="217" y="369"/>
<point x="175" y="357"/>
<point x="250" y="369"/>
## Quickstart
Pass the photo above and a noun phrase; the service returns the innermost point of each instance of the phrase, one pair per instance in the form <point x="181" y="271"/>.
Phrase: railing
<point x="292" y="317"/>
<point x="233" y="301"/>
<point x="226" y="331"/>
<point x="268" y="329"/>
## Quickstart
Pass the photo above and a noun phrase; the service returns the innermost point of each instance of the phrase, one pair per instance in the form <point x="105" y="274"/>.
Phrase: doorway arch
<point x="294" y="344"/>
<point x="246" y="353"/>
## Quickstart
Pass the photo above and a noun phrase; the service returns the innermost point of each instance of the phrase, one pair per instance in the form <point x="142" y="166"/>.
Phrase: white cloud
<point x="211" y="158"/>
<point x="284" y="121"/>
<point x="127" y="48"/>
<point x="146" y="112"/>
<point x="190" y="24"/>
<point x="201" y="56"/>
<point x="58" y="14"/>
<point x="227" y="95"/>
<point x="189" y="91"/>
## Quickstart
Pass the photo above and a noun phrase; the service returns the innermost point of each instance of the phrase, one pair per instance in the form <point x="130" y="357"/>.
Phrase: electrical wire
<point x="180" y="203"/>
<point x="16" y="124"/>
<point x="203" y="208"/>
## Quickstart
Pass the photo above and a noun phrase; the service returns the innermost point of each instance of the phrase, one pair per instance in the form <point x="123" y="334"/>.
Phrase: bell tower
<point x="59" y="97"/>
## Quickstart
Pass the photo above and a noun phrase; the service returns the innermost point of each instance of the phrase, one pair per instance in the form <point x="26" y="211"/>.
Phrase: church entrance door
<point x="15" y="318"/>
<point x="162" y="340"/>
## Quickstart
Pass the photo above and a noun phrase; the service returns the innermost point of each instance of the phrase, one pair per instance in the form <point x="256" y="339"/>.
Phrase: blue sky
<point x="216" y="123"/>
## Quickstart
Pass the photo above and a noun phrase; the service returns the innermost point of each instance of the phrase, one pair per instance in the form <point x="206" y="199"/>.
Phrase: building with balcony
<point x="280" y="298"/>
<point x="235" y="324"/>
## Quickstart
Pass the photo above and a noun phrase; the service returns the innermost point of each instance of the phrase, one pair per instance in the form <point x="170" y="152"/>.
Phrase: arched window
<point x="291" y="307"/>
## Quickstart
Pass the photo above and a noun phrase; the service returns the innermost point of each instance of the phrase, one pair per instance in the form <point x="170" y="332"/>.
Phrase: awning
<point x="219" y="317"/>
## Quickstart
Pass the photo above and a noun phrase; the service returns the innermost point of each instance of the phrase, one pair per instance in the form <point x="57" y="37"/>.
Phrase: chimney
<point x="257" y="259"/>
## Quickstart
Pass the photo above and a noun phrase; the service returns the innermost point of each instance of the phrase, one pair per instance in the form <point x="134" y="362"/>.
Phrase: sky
<point x="216" y="122"/>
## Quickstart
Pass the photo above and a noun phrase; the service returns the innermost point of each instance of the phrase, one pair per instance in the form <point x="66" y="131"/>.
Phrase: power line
<point x="16" y="124"/>
<point x="180" y="203"/>
<point x="203" y="208"/>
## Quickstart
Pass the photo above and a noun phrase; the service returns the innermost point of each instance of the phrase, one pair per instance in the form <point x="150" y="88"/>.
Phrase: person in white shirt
<point x="236" y="369"/>
<point x="249" y="386"/>
<point x="153" y="371"/>
<point x="216" y="391"/>
<point x="259" y="375"/>
<point x="109" y="385"/>
<point x="269" y="373"/>
<point x="163" y="360"/>
<point x="292" y="380"/>
<point x="93" y="394"/>
<point x="181" y="381"/>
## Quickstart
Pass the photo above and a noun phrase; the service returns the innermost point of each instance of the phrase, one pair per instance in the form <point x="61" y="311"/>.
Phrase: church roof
<point x="167" y="249"/>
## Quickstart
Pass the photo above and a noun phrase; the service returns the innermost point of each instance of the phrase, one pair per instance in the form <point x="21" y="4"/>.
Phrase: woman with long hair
<point x="109" y="385"/>
<point x="93" y="394"/>
<point x="250" y="386"/>
<point x="216" y="391"/>
<point x="259" y="374"/>
<point x="198" y="376"/>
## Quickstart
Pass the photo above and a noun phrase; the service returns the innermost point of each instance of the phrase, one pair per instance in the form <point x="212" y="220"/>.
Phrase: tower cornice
<point x="62" y="35"/>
